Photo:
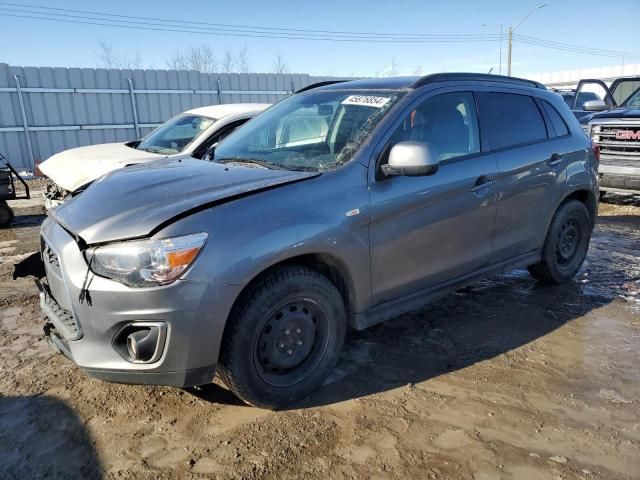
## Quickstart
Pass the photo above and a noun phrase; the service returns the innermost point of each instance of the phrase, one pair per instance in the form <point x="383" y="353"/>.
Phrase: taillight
<point x="596" y="150"/>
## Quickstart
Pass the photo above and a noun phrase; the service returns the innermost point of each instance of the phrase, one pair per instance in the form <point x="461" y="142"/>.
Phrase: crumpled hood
<point x="620" y="112"/>
<point x="76" y="167"/>
<point x="133" y="201"/>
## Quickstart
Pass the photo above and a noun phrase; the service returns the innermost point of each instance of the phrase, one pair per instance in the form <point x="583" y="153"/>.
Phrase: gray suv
<point x="340" y="207"/>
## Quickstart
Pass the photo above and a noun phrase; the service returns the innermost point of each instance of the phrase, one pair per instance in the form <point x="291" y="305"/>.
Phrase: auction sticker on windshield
<point x="366" y="100"/>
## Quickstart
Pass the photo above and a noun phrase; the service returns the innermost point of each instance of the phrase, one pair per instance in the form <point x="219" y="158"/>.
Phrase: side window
<point x="557" y="122"/>
<point x="516" y="120"/>
<point x="448" y="122"/>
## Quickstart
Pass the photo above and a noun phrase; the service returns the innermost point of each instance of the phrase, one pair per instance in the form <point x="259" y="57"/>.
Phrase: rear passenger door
<point x="531" y="157"/>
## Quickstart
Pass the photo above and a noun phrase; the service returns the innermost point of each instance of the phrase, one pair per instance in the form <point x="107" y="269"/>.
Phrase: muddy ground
<point x="503" y="379"/>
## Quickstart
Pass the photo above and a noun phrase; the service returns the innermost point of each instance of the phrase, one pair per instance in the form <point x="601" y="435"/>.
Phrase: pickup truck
<point x="617" y="133"/>
<point x="593" y="95"/>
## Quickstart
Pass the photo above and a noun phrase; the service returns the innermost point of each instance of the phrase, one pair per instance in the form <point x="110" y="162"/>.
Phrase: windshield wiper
<point x="150" y="149"/>
<point x="252" y="161"/>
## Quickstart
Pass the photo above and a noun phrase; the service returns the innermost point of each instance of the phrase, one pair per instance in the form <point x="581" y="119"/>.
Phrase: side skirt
<point x="420" y="298"/>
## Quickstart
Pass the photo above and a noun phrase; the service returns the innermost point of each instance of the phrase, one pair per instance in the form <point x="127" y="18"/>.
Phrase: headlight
<point x="146" y="262"/>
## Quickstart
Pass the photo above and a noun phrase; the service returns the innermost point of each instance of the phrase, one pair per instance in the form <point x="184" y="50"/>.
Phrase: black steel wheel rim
<point x="568" y="241"/>
<point x="291" y="342"/>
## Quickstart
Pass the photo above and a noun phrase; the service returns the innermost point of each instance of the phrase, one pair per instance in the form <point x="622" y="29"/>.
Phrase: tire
<point x="283" y="337"/>
<point x="566" y="245"/>
<point x="6" y="214"/>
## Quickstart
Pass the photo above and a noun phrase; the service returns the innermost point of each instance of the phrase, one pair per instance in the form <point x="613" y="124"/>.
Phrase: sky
<point x="32" y="42"/>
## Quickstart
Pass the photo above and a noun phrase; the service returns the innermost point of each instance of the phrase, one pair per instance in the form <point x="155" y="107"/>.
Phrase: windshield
<point x="175" y="135"/>
<point x="310" y="131"/>
<point x="634" y="100"/>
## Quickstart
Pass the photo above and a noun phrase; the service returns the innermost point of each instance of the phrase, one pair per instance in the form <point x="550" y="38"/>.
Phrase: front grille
<point x="61" y="318"/>
<point x="624" y="145"/>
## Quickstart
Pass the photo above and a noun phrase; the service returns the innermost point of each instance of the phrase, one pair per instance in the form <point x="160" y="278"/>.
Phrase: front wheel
<point x="284" y="337"/>
<point x="566" y="245"/>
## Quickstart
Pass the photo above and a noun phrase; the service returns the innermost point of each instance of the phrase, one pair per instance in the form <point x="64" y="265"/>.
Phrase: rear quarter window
<point x="516" y="120"/>
<point x="559" y="127"/>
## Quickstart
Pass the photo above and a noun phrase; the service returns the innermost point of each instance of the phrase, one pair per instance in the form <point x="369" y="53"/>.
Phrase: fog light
<point x="141" y="342"/>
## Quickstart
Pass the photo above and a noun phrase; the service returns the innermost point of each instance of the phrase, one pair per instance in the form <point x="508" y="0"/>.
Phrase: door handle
<point x="554" y="160"/>
<point x="482" y="183"/>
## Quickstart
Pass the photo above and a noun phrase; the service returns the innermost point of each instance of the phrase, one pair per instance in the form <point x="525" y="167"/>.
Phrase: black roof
<point x="401" y="83"/>
<point x="387" y="83"/>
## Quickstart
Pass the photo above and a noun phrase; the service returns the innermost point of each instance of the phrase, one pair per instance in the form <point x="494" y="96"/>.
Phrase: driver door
<point x="429" y="231"/>
<point x="590" y="90"/>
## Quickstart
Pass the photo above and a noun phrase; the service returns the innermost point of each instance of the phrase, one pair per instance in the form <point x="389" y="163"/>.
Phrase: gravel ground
<point x="502" y="379"/>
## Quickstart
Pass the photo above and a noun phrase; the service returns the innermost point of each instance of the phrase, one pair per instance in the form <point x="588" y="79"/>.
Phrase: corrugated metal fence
<point x="45" y="110"/>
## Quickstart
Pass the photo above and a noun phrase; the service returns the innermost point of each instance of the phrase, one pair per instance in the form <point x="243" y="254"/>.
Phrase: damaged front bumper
<point x="57" y="320"/>
<point x="88" y="318"/>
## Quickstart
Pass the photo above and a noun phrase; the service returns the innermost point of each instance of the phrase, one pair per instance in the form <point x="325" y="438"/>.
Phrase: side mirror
<point x="595" y="106"/>
<point x="412" y="159"/>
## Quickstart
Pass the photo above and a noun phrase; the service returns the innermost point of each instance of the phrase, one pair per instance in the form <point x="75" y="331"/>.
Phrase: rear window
<point x="559" y="127"/>
<point x="516" y="120"/>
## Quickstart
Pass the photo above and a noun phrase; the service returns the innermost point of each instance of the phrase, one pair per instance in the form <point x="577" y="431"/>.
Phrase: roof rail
<point x="443" y="77"/>
<point x="318" y="84"/>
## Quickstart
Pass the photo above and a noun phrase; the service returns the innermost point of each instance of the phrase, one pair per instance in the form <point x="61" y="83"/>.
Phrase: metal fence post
<point x="25" y="124"/>
<point x="219" y="92"/>
<point x="132" y="93"/>
<point x="293" y="87"/>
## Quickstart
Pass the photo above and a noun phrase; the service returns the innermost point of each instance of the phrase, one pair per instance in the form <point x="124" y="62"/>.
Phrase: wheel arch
<point x="330" y="266"/>
<point x="585" y="196"/>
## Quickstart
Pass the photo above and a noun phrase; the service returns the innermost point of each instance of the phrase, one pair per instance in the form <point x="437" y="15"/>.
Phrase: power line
<point x="43" y="10"/>
<point x="572" y="47"/>
<point x="89" y="21"/>
<point x="86" y="17"/>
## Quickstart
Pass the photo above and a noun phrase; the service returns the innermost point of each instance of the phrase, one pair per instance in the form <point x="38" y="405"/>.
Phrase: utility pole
<point x="513" y="29"/>
<point x="500" y="67"/>
<point x="510" y="47"/>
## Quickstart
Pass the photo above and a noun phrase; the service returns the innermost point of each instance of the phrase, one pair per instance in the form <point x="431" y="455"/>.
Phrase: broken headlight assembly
<point x="145" y="263"/>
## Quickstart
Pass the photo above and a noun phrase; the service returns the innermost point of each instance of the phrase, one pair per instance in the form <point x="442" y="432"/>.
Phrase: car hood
<point x="620" y="112"/>
<point x="135" y="201"/>
<point x="77" y="167"/>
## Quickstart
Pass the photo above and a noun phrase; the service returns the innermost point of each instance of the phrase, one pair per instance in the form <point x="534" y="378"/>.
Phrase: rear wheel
<point x="566" y="245"/>
<point x="284" y="337"/>
<point x="6" y="214"/>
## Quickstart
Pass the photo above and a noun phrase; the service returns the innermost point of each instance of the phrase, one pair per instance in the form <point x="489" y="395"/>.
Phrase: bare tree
<point x="228" y="63"/>
<point x="110" y="59"/>
<point x="243" y="63"/>
<point x="178" y="62"/>
<point x="199" y="57"/>
<point x="279" y="64"/>
<point x="202" y="58"/>
<point x="392" y="71"/>
<point x="418" y="70"/>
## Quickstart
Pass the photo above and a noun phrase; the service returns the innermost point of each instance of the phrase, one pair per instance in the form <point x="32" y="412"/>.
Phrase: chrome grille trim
<point x="604" y="134"/>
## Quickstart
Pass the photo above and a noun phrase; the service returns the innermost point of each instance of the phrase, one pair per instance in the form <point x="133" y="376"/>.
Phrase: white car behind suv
<point x="189" y="133"/>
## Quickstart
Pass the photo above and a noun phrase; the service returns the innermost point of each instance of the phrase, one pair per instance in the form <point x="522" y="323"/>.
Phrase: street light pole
<point x="513" y="29"/>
